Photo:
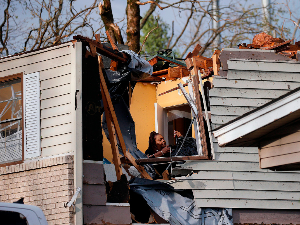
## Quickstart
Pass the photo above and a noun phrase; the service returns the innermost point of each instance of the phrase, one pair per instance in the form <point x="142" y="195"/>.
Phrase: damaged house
<point x="64" y="110"/>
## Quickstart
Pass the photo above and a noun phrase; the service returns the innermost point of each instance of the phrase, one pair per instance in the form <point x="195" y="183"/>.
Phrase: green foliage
<point x="157" y="39"/>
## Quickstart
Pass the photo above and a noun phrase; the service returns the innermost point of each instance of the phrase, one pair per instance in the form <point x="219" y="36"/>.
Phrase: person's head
<point x="156" y="141"/>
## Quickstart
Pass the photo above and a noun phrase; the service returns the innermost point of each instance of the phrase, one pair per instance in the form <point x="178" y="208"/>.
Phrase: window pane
<point x="10" y="121"/>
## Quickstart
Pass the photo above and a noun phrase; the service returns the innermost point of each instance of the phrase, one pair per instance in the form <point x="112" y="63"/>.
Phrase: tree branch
<point x="148" y="13"/>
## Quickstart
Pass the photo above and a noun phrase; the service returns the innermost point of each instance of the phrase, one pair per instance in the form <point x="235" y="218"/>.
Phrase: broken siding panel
<point x="235" y="149"/>
<point x="230" y="110"/>
<point x="274" y="66"/>
<point x="247" y="93"/>
<point x="244" y="176"/>
<point x="221" y="166"/>
<point x="236" y="185"/>
<point x="217" y="119"/>
<point x="263" y="75"/>
<point x="237" y="101"/>
<point x="257" y="84"/>
<point x="246" y="194"/>
<point x="236" y="157"/>
<point x="248" y="203"/>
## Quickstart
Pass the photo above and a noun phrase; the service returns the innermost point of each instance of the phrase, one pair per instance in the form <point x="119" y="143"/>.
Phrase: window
<point x="11" y="124"/>
<point x="14" y="118"/>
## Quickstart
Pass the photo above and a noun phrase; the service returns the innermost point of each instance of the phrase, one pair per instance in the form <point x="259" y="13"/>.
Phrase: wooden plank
<point x="56" y="92"/>
<point x="240" y="203"/>
<point x="274" y="85"/>
<point x="236" y="185"/>
<point x="280" y="150"/>
<point x="247" y="93"/>
<point x="113" y="138"/>
<point x="222" y="119"/>
<point x="57" y="130"/>
<point x="55" y="72"/>
<point x="246" y="194"/>
<point x="200" y="119"/>
<point x="236" y="157"/>
<point x="238" y="101"/>
<point x="34" y="58"/>
<point x="235" y="149"/>
<point x="56" y="111"/>
<point x="264" y="65"/>
<point x="58" y="149"/>
<point x="245" y="176"/>
<point x="262" y="75"/>
<point x="54" y="121"/>
<point x="53" y="102"/>
<point x="294" y="137"/>
<point x="57" y="140"/>
<point x="280" y="160"/>
<point x="230" y="110"/>
<point x="55" y="82"/>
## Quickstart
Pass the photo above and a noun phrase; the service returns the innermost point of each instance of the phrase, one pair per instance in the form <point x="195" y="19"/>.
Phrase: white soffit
<point x="259" y="118"/>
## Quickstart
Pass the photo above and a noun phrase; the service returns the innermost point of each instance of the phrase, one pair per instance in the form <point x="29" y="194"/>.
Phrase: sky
<point x="170" y="14"/>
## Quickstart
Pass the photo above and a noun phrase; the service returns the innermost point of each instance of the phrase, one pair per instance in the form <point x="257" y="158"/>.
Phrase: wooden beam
<point x="114" y="120"/>
<point x="112" y="137"/>
<point x="195" y="52"/>
<point x="216" y="62"/>
<point x="168" y="159"/>
<point x="201" y="62"/>
<point x="101" y="49"/>
<point x="200" y="114"/>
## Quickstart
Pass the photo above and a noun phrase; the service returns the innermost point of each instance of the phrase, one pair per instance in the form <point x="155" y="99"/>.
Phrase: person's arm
<point x="160" y="153"/>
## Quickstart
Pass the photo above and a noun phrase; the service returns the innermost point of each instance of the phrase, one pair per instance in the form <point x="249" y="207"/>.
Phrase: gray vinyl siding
<point x="54" y="65"/>
<point x="234" y="178"/>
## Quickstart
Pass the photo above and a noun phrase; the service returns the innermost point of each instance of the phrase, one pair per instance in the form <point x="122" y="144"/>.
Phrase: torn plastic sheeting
<point x="176" y="208"/>
<point x="139" y="63"/>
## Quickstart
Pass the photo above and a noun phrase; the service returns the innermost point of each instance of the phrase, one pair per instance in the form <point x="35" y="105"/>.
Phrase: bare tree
<point x="4" y="29"/>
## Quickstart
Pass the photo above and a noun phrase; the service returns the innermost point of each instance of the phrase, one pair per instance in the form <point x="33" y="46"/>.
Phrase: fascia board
<point x="258" y="119"/>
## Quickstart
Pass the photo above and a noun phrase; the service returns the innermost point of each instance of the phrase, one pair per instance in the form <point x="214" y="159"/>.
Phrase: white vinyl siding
<point x="54" y="66"/>
<point x="234" y="179"/>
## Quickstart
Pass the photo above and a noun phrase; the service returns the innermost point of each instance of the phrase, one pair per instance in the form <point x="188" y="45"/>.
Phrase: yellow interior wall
<point x="143" y="113"/>
<point x="173" y="98"/>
